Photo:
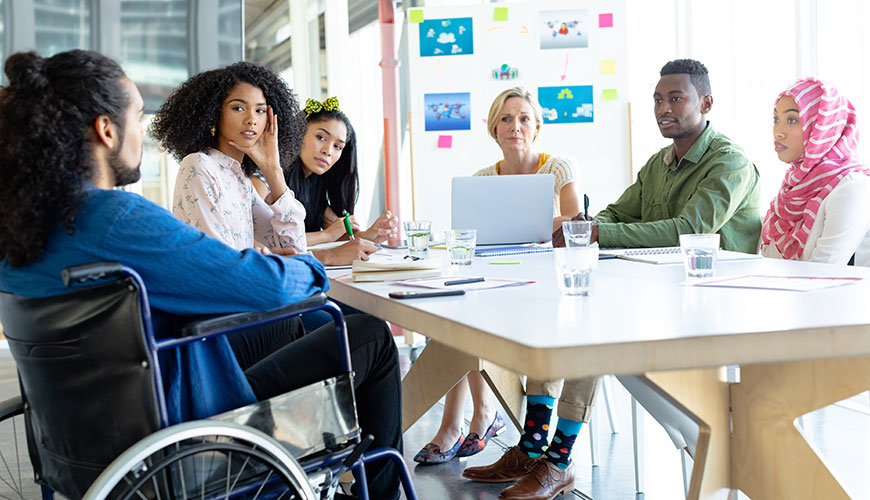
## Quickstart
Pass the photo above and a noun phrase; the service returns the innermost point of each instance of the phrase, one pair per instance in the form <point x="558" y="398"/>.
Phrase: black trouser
<point x="281" y="358"/>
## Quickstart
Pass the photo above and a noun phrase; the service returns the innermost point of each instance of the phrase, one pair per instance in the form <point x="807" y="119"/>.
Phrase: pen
<point x="463" y="281"/>
<point x="347" y="227"/>
<point x="586" y="206"/>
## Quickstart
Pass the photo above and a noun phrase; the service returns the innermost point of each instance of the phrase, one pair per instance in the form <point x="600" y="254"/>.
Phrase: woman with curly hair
<point x="325" y="178"/>
<point x="224" y="125"/>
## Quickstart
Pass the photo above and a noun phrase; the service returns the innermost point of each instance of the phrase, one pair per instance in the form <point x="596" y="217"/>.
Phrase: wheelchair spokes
<point x="16" y="473"/>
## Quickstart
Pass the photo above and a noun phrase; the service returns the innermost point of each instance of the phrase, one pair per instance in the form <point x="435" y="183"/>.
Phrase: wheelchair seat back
<point x="86" y="375"/>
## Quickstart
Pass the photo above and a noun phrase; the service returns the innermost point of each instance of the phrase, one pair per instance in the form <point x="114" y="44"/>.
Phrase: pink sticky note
<point x="605" y="20"/>
<point x="445" y="141"/>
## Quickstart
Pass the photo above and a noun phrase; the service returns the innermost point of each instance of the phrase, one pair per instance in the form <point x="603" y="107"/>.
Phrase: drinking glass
<point x="699" y="254"/>
<point x="417" y="232"/>
<point x="575" y="269"/>
<point x="578" y="233"/>
<point x="460" y="245"/>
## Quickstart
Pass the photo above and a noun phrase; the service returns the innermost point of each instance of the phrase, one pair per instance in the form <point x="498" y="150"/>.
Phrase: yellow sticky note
<point x="608" y="67"/>
<point x="608" y="95"/>
<point x="416" y="16"/>
<point x="500" y="14"/>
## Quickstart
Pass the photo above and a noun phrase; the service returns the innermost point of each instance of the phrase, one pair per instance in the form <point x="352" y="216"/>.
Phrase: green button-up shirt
<point x="712" y="189"/>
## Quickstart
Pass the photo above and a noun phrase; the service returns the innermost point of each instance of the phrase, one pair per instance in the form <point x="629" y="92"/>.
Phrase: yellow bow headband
<point x="314" y="106"/>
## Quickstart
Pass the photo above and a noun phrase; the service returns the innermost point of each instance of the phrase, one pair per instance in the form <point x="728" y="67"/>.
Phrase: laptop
<point x="505" y="209"/>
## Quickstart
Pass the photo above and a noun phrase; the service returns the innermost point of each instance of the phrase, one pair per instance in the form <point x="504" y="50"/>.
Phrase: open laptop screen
<point x="505" y="209"/>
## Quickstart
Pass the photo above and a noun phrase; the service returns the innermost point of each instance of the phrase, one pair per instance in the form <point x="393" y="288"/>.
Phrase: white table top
<point x="640" y="319"/>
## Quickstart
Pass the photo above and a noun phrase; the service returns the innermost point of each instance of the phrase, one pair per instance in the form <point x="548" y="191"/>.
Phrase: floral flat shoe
<point x="475" y="444"/>
<point x="431" y="454"/>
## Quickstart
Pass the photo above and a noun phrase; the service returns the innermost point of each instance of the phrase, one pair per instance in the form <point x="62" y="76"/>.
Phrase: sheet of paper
<point x="438" y="283"/>
<point x="791" y="283"/>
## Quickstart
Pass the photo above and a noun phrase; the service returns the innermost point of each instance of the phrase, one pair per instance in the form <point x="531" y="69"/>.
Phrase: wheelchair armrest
<point x="11" y="407"/>
<point x="93" y="272"/>
<point x="230" y="322"/>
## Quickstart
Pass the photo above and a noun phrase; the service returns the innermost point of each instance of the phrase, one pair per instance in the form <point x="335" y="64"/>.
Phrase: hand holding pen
<point x="347" y="227"/>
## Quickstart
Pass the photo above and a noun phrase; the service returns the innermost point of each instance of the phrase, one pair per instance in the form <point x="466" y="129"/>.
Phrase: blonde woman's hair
<point x="498" y="104"/>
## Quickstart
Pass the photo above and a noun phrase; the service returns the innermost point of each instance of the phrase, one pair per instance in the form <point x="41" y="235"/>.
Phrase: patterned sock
<point x="539" y="409"/>
<point x="559" y="451"/>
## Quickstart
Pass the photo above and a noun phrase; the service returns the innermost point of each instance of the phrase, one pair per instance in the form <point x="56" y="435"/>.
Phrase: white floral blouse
<point x="213" y="195"/>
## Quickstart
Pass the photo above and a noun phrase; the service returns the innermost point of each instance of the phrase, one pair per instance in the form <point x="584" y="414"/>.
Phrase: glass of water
<point x="699" y="254"/>
<point x="578" y="233"/>
<point x="460" y="245"/>
<point x="575" y="269"/>
<point x="417" y="232"/>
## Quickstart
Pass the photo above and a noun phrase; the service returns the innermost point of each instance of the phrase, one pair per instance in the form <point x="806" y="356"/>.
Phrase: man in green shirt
<point x="702" y="183"/>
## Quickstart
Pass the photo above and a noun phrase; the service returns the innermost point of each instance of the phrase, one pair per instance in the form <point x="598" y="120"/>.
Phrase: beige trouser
<point x="576" y="398"/>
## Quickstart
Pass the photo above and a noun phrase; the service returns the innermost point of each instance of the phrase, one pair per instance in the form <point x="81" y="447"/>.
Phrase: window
<point x="229" y="31"/>
<point x="154" y="46"/>
<point x="61" y="25"/>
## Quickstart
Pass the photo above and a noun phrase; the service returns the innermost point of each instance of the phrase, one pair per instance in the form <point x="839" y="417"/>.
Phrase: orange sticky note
<point x="445" y="141"/>
<point x="608" y="67"/>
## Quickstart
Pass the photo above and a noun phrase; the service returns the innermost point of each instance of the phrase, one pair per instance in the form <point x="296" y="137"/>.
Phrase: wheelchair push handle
<point x="90" y="272"/>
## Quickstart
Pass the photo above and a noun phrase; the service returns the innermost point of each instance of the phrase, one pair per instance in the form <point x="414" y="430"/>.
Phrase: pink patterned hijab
<point x="830" y="140"/>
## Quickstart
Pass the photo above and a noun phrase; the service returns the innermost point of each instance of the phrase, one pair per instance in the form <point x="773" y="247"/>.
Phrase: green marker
<point x="347" y="227"/>
<point x="505" y="262"/>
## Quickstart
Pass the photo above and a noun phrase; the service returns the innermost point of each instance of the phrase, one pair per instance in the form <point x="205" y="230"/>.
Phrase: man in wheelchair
<point x="70" y="132"/>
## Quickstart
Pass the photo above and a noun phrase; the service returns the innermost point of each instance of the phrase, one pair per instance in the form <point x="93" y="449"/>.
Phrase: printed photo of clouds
<point x="447" y="111"/>
<point x="564" y="29"/>
<point x="566" y="104"/>
<point x="446" y="37"/>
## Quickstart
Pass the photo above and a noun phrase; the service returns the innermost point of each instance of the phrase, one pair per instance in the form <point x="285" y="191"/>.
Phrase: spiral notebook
<point x="509" y="250"/>
<point x="669" y="255"/>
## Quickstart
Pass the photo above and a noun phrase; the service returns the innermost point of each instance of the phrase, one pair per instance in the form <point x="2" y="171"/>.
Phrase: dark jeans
<point x="279" y="359"/>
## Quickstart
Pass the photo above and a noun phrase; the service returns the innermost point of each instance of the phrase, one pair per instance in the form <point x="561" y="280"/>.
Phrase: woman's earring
<point x="212" y="131"/>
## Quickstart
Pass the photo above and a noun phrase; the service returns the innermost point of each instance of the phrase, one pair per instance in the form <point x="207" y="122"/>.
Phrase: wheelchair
<point x="92" y="414"/>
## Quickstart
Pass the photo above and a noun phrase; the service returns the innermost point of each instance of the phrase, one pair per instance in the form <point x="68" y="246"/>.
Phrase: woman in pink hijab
<point x="822" y="210"/>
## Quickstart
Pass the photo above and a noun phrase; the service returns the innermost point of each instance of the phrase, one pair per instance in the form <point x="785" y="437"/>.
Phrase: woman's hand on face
<point x="264" y="152"/>
<point x="358" y="249"/>
<point x="385" y="227"/>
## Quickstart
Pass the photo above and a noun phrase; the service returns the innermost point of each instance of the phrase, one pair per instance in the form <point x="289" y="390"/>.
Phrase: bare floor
<point x="841" y="432"/>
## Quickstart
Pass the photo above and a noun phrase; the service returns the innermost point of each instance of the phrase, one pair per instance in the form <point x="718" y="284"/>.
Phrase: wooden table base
<point x="440" y="367"/>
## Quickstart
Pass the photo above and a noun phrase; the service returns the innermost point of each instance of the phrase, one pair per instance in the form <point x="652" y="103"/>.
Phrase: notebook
<point x="510" y="250"/>
<point x="669" y="255"/>
<point x="393" y="266"/>
<point x="504" y="209"/>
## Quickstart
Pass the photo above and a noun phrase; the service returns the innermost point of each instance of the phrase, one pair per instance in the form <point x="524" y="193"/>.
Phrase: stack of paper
<point x="669" y="255"/>
<point x="384" y="266"/>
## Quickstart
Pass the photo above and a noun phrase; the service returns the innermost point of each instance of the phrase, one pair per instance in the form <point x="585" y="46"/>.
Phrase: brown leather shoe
<point x="544" y="481"/>
<point x="511" y="465"/>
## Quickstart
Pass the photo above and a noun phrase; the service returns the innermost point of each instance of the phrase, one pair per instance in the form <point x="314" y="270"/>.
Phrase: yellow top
<point x="541" y="160"/>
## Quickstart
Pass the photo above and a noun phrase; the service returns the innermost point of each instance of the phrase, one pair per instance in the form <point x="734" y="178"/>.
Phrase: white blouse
<point x="561" y="167"/>
<point x="842" y="225"/>
<point x="213" y="195"/>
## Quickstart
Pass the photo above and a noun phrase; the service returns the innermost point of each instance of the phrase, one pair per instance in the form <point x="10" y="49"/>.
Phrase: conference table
<point x="798" y="351"/>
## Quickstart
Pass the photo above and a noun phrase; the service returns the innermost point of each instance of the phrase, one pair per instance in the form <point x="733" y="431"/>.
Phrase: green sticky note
<point x="608" y="94"/>
<point x="500" y="14"/>
<point x="416" y="16"/>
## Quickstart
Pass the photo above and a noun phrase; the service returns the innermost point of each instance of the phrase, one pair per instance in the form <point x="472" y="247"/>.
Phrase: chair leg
<point x="637" y="428"/>
<point x="687" y="470"/>
<point x="593" y="441"/>
<point x="607" y="391"/>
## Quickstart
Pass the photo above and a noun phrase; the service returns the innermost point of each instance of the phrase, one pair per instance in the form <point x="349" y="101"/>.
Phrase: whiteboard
<point x="600" y="147"/>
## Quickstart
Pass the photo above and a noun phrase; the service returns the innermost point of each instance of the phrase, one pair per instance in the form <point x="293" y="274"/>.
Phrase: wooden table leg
<point x="770" y="457"/>
<point x="703" y="394"/>
<point x="439" y="368"/>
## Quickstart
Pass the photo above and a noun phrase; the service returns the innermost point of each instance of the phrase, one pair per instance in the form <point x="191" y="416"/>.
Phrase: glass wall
<point x="154" y="46"/>
<point x="229" y="31"/>
<point x="2" y="35"/>
<point x="61" y="25"/>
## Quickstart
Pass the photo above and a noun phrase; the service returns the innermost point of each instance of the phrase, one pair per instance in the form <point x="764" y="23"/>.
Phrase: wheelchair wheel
<point x="16" y="474"/>
<point x="203" y="459"/>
